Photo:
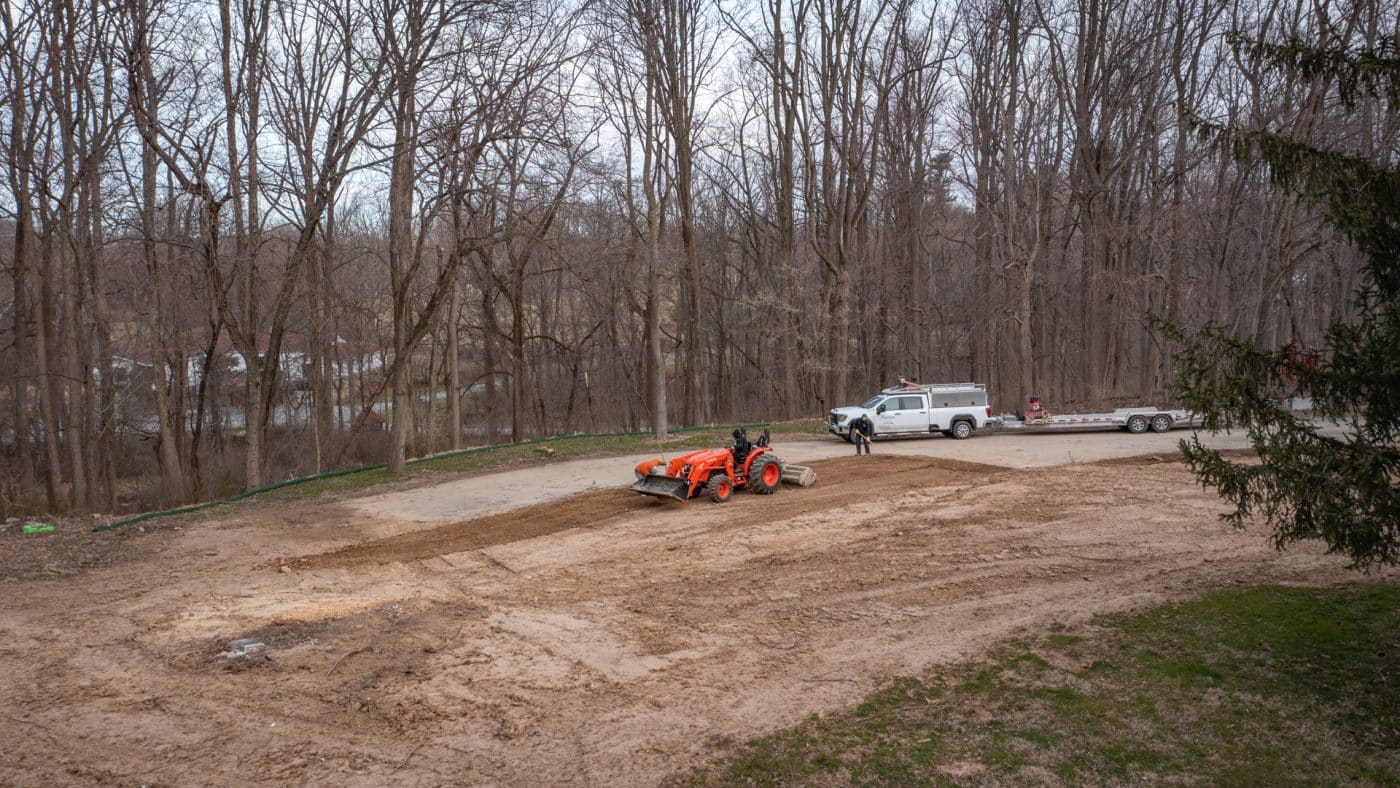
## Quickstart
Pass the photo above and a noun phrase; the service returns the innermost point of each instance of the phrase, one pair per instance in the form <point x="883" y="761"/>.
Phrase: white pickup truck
<point x="952" y="409"/>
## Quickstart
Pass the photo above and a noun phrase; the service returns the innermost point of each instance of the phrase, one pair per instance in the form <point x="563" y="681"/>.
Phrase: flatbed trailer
<point x="1134" y="420"/>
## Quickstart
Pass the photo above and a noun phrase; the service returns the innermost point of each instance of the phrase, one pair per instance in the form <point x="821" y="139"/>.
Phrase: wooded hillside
<point x="242" y="240"/>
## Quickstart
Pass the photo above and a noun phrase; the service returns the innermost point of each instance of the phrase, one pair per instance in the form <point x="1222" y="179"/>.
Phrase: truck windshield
<point x="872" y="402"/>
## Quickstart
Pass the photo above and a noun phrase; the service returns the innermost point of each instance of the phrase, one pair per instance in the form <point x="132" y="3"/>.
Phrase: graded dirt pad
<point x="607" y="646"/>
<point x="842" y="478"/>
<point x="582" y="510"/>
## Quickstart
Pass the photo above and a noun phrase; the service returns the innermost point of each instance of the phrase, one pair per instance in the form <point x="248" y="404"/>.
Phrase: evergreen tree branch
<point x="1342" y="488"/>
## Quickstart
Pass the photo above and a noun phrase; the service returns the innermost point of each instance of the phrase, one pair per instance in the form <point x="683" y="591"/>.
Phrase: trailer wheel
<point x="962" y="430"/>
<point x="765" y="475"/>
<point x="1161" y="423"/>
<point x="1137" y="425"/>
<point x="720" y="487"/>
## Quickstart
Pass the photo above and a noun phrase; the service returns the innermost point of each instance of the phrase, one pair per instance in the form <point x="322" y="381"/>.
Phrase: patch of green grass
<point x="1254" y="686"/>
<point x="565" y="447"/>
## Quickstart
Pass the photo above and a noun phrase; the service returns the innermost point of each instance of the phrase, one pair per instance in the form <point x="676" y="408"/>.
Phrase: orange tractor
<point x="714" y="472"/>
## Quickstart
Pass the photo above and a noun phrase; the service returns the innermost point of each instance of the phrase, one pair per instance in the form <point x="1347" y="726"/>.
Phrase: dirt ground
<point x="601" y="638"/>
<point x="509" y="489"/>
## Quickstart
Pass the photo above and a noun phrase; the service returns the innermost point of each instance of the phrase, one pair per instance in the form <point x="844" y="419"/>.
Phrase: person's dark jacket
<point x="742" y="447"/>
<point x="866" y="427"/>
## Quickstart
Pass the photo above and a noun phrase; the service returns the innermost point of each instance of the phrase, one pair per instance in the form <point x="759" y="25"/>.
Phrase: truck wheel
<point x="846" y="435"/>
<point x="765" y="475"/>
<point x="1137" y="425"/>
<point x="1161" y="423"/>
<point x="962" y="430"/>
<point x="720" y="487"/>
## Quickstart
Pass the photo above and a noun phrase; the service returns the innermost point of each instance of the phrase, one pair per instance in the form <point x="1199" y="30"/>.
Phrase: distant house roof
<point x="339" y="349"/>
<point x="191" y="345"/>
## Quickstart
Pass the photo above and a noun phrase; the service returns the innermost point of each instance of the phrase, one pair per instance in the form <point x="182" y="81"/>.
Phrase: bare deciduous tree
<point x="231" y="226"/>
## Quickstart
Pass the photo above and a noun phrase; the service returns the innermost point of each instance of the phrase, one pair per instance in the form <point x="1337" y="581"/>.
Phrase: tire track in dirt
<point x="838" y="480"/>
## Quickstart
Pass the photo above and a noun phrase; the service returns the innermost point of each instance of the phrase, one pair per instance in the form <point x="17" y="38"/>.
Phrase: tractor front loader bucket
<point x="663" y="486"/>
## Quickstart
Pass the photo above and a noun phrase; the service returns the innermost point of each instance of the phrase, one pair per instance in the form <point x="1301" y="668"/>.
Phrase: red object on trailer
<point x="1035" y="412"/>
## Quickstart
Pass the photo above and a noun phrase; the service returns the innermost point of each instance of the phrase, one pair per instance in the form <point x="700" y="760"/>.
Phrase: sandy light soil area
<point x="592" y="638"/>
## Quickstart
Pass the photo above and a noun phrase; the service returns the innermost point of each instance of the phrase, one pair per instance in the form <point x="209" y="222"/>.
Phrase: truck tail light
<point x="989" y="411"/>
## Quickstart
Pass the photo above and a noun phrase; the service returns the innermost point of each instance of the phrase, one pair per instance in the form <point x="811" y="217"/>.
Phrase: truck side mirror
<point x="880" y="409"/>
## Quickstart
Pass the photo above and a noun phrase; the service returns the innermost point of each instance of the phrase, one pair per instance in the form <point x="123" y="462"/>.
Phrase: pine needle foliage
<point x="1309" y="482"/>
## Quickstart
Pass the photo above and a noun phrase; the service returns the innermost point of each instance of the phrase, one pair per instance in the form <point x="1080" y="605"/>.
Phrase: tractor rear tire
<point x="765" y="475"/>
<point x="720" y="487"/>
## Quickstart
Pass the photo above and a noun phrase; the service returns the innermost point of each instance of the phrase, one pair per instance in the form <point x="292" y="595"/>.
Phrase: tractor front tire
<point x="765" y="475"/>
<point x="720" y="487"/>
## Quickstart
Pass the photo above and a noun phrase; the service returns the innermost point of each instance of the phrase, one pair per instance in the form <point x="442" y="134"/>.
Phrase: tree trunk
<point x="254" y="425"/>
<point x="401" y="182"/>
<point x="1025" y="367"/>
<point x="488" y="361"/>
<point x="839" y="340"/>
<point x="75" y="370"/>
<point x="517" y="354"/>
<point x="48" y="399"/>
<point x="170" y="468"/>
<point x="22" y="377"/>
<point x="317" y="356"/>
<point x="656" y="357"/>
<point x="454" y="370"/>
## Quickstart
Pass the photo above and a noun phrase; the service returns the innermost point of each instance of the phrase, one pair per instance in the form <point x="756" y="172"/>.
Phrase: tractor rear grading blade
<point x="663" y="486"/>
<point x="800" y="475"/>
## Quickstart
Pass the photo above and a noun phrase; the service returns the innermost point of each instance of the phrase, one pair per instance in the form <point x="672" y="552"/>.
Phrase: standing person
<point x="861" y="431"/>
